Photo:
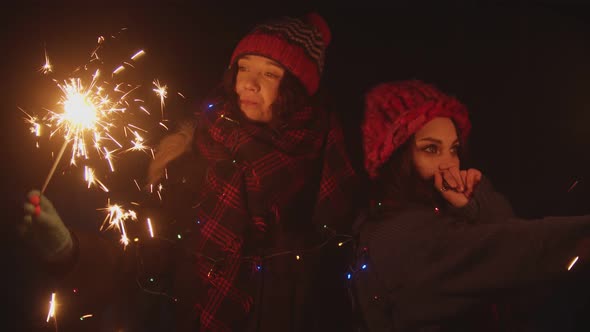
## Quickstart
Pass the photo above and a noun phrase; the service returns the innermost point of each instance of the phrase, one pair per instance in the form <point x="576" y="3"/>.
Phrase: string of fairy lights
<point x="258" y="262"/>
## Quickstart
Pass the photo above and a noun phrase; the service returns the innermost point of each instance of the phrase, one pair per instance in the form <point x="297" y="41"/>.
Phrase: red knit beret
<point x="298" y="44"/>
<point x="394" y="111"/>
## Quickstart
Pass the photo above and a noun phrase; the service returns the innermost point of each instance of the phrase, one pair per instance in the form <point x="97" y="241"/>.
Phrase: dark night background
<point x="523" y="70"/>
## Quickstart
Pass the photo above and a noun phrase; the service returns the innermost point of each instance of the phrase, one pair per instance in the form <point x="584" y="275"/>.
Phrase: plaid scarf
<point x="253" y="172"/>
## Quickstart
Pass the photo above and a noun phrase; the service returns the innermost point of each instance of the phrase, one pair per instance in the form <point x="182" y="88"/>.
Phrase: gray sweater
<point x="425" y="268"/>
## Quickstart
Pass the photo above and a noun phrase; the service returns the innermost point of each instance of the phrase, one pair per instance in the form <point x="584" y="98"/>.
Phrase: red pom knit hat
<point x="394" y="111"/>
<point x="298" y="44"/>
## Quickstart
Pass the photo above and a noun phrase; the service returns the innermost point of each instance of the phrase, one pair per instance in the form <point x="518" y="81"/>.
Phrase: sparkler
<point x="93" y="116"/>
<point x="93" y="113"/>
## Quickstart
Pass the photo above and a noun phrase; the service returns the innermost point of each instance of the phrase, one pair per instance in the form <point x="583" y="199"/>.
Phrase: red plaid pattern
<point x="253" y="171"/>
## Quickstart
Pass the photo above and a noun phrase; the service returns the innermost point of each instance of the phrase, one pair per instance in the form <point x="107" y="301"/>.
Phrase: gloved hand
<point x="43" y="230"/>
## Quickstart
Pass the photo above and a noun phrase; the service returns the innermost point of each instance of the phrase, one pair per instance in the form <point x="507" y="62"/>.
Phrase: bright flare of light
<point x="150" y="227"/>
<point x="118" y="70"/>
<point x="162" y="92"/>
<point x="52" y="304"/>
<point x="34" y="122"/>
<point x="116" y="219"/>
<point x="574" y="260"/>
<point x="138" y="54"/>
<point x="80" y="111"/>
<point x="137" y="144"/>
<point x="91" y="179"/>
<point x="85" y="109"/>
<point x="137" y="184"/>
<point x="46" y="68"/>
<point x="159" y="191"/>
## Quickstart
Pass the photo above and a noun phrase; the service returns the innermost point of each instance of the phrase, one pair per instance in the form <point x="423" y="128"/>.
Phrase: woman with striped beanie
<point x="254" y="186"/>
<point x="440" y="248"/>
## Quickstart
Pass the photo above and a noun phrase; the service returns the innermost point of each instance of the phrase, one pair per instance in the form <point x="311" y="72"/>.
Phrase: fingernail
<point x="35" y="200"/>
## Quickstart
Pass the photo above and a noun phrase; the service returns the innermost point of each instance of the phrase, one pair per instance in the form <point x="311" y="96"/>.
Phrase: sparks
<point x="52" y="304"/>
<point x="163" y="125"/>
<point x="118" y="70"/>
<point x="34" y="122"/>
<point x="137" y="184"/>
<point x="574" y="260"/>
<point x="144" y="110"/>
<point x="137" y="55"/>
<point x="91" y="179"/>
<point x="91" y="107"/>
<point x="116" y="218"/>
<point x="159" y="191"/>
<point x="150" y="227"/>
<point x="46" y="68"/>
<point x="137" y="143"/>
<point x="92" y="114"/>
<point x="162" y="92"/>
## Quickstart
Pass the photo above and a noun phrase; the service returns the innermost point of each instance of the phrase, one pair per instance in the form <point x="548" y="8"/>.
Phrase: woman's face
<point x="435" y="145"/>
<point x="257" y="86"/>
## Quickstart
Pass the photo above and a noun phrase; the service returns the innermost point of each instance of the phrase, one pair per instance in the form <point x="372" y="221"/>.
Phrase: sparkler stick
<point x="50" y="175"/>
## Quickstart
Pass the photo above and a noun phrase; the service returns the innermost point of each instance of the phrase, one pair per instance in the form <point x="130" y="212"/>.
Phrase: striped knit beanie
<point x="298" y="44"/>
<point x="394" y="111"/>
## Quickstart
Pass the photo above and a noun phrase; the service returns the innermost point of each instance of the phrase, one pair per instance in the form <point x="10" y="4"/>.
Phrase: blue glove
<point x="43" y="230"/>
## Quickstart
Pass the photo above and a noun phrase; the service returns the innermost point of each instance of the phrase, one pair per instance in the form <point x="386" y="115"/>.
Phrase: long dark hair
<point x="291" y="98"/>
<point x="399" y="183"/>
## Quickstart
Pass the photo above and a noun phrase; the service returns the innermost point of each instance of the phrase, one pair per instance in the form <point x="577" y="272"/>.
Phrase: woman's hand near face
<point x="456" y="186"/>
<point x="471" y="178"/>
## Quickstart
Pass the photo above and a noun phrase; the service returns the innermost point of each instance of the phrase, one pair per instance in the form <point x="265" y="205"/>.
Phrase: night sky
<point x="522" y="70"/>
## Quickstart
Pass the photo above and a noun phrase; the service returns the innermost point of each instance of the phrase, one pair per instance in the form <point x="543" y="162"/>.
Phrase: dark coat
<point x="449" y="269"/>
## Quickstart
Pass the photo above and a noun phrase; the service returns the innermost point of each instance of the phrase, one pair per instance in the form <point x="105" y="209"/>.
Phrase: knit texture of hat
<point x="298" y="44"/>
<point x="394" y="111"/>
